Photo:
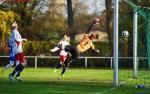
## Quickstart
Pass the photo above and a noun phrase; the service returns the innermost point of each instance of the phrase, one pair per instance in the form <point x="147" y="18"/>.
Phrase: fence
<point x="82" y="57"/>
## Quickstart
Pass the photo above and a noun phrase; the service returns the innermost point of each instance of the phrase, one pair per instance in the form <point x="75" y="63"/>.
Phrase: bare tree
<point x="70" y="13"/>
<point x="108" y="4"/>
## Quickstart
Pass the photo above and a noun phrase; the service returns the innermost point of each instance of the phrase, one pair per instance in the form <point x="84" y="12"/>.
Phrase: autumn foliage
<point x="17" y="1"/>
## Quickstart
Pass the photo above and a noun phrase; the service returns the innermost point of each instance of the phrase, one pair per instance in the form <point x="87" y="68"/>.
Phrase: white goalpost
<point x="115" y="46"/>
<point x="135" y="23"/>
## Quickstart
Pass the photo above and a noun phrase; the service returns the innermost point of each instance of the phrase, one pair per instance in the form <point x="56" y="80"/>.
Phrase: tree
<point x="26" y="9"/>
<point x="6" y="19"/>
<point x="80" y="16"/>
<point x="109" y="16"/>
<point x="70" y="14"/>
<point x="50" y="25"/>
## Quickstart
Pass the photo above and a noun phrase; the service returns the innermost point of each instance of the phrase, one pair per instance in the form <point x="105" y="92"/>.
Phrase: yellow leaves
<point x="6" y="19"/>
<point x="8" y="16"/>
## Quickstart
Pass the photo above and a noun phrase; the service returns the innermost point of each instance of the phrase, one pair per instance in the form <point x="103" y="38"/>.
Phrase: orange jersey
<point x="85" y="44"/>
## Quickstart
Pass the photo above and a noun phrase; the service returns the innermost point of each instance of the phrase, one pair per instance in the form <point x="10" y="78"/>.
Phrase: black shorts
<point x="73" y="51"/>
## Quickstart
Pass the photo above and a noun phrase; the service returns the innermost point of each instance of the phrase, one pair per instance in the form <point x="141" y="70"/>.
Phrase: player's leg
<point x="63" y="57"/>
<point x="65" y="66"/>
<point x="7" y="66"/>
<point x="59" y="65"/>
<point x="72" y="55"/>
<point x="11" y="75"/>
<point x="73" y="52"/>
<point x="19" y="68"/>
<point x="17" y="59"/>
<point x="63" y="71"/>
<point x="22" y="65"/>
<point x="11" y="61"/>
<point x="17" y="63"/>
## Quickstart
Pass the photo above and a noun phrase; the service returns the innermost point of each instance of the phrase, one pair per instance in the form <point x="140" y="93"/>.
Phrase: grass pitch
<point x="75" y="81"/>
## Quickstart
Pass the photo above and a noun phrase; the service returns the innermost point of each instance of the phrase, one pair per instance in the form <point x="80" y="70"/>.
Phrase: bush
<point x="43" y="47"/>
<point x="37" y="47"/>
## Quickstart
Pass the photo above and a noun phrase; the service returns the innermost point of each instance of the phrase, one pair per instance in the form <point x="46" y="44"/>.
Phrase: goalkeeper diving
<point x="73" y="51"/>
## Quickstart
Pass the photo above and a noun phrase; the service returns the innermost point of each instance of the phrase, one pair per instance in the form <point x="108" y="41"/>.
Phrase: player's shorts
<point x="11" y="55"/>
<point x="73" y="51"/>
<point x="20" y="57"/>
<point x="63" y="58"/>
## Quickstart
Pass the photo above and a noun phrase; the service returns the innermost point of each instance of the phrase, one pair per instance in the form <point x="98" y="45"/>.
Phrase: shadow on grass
<point x="65" y="87"/>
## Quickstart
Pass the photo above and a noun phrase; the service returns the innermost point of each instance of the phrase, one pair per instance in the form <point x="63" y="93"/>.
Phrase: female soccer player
<point x="62" y="53"/>
<point x="19" y="55"/>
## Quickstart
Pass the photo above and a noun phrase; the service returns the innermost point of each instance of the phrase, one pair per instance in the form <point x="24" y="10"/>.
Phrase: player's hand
<point x="96" y="50"/>
<point x="96" y="21"/>
<point x="51" y="50"/>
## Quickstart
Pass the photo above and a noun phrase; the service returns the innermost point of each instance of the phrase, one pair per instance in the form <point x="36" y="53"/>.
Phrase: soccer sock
<point x="11" y="63"/>
<point x="17" y="63"/>
<point x="20" y="69"/>
<point x="17" y="74"/>
<point x="15" y="70"/>
<point x="63" y="71"/>
<point x="7" y="66"/>
<point x="58" y="66"/>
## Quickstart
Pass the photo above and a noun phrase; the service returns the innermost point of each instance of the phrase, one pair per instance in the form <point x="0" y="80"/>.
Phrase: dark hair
<point x="14" y="27"/>
<point x="92" y="36"/>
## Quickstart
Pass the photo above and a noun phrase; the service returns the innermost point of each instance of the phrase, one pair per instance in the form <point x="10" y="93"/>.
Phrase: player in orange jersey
<point x="85" y="44"/>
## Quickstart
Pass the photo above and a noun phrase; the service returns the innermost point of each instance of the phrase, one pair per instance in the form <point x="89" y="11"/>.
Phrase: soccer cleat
<point x="11" y="77"/>
<point x="19" y="79"/>
<point x="62" y="74"/>
<point x="55" y="70"/>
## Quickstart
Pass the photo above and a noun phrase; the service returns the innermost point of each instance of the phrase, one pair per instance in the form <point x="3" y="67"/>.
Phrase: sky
<point x="1" y="1"/>
<point x="96" y="5"/>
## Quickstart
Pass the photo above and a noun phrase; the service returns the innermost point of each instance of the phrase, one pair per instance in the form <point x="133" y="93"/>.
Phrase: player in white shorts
<point x="19" y="55"/>
<point x="62" y="54"/>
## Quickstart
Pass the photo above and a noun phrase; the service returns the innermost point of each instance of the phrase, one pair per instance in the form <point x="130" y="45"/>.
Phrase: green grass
<point x="75" y="81"/>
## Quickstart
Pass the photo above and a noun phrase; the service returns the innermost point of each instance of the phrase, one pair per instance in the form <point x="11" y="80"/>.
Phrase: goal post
<point x="115" y="46"/>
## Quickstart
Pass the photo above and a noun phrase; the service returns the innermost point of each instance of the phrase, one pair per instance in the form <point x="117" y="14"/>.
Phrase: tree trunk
<point x="70" y="17"/>
<point x="70" y="13"/>
<point x="108" y="4"/>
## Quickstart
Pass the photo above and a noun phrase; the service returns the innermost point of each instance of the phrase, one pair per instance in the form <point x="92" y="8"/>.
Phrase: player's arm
<point x="10" y="42"/>
<point x="55" y="49"/>
<point x="95" y="21"/>
<point x="24" y="40"/>
<point x="94" y="49"/>
<point x="89" y="29"/>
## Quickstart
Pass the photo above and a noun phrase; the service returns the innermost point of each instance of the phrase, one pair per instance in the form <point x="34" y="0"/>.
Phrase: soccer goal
<point x="141" y="40"/>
